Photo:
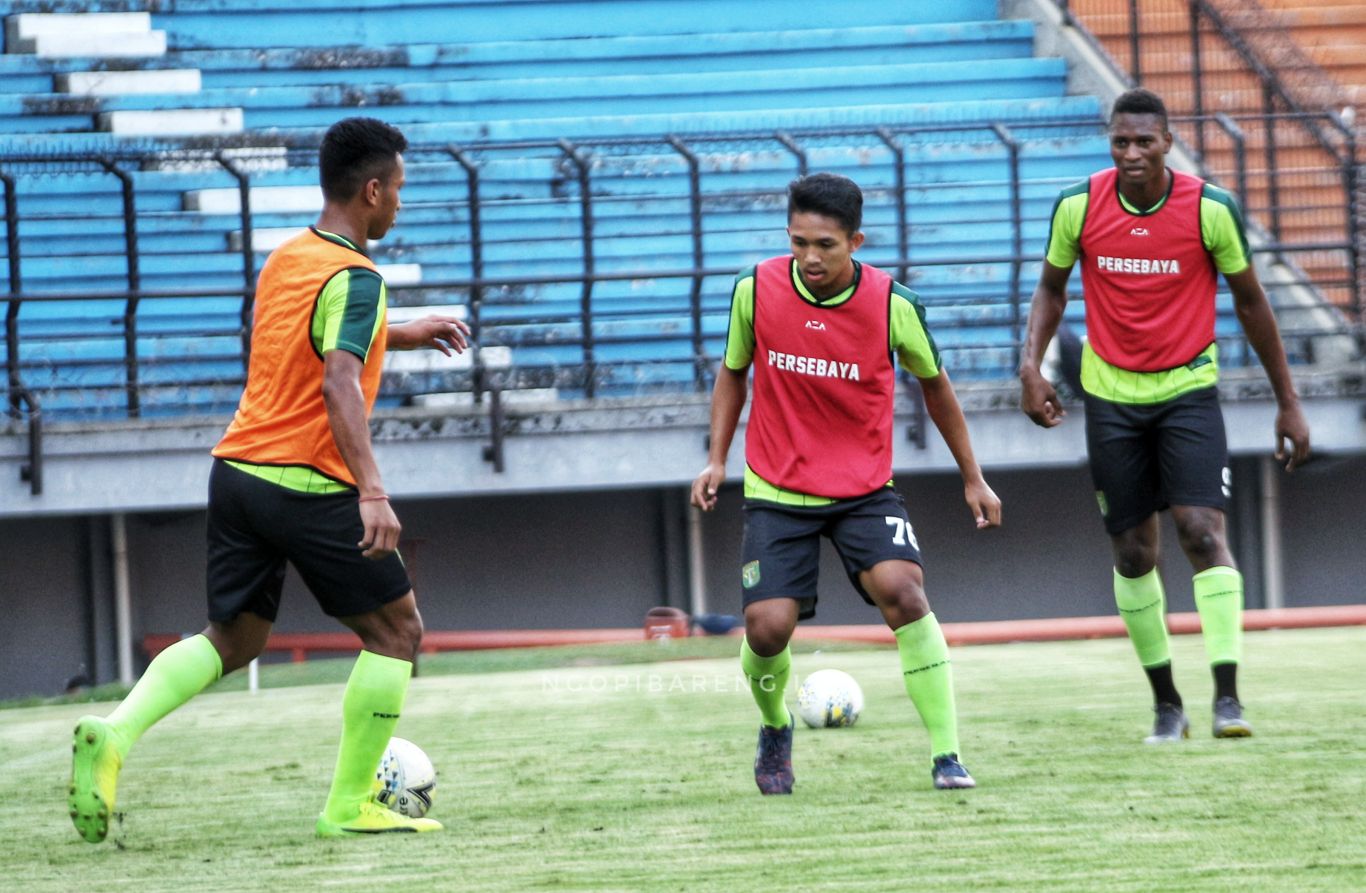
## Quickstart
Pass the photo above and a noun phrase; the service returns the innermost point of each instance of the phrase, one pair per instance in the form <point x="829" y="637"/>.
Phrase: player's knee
<point x="906" y="605"/>
<point x="1201" y="539"/>
<point x="766" y="637"/>
<point x="405" y="636"/>
<point x="1134" y="559"/>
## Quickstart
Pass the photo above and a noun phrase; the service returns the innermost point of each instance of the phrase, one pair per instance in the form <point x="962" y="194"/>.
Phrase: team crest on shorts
<point x="1103" y="503"/>
<point x="749" y="575"/>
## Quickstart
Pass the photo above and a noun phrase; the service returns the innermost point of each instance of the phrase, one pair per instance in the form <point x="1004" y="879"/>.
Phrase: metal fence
<point x="980" y="323"/>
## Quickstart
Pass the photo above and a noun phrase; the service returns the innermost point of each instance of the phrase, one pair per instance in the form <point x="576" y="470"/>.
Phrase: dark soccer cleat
<point x="1171" y="724"/>
<point x="1228" y="719"/>
<point x="773" y="760"/>
<point x="948" y="773"/>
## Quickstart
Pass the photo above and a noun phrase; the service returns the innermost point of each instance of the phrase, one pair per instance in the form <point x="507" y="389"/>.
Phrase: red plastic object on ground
<point x="667" y="623"/>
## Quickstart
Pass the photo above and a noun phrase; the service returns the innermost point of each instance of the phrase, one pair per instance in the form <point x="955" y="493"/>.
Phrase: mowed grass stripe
<point x="637" y="777"/>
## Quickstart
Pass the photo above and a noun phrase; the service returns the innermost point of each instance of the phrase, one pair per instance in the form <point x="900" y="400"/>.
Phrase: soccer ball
<point x="406" y="779"/>
<point x="829" y="698"/>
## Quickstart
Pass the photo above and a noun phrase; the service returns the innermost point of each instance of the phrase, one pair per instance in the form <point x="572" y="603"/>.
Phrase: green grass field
<point x="604" y="776"/>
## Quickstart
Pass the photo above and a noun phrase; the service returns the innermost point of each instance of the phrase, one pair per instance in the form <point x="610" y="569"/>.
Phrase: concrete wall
<point x="603" y="558"/>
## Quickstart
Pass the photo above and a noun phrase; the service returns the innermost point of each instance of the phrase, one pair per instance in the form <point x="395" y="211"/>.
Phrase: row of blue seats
<point x="254" y="23"/>
<point x="1038" y="117"/>
<point x="435" y="62"/>
<point x="411" y="103"/>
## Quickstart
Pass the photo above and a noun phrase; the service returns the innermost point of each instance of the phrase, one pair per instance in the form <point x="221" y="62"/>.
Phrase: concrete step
<point x="128" y="45"/>
<point x="512" y="397"/>
<point x="32" y="25"/>
<point x="172" y="122"/>
<point x="122" y="83"/>
<point x="264" y="200"/>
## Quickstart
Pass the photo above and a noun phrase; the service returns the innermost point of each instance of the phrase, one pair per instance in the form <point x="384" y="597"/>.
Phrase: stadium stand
<point x="626" y="165"/>
<point x="508" y="87"/>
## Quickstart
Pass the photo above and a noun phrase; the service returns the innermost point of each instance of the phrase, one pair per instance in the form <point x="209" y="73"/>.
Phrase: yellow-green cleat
<point x="95" y="764"/>
<point x="375" y="819"/>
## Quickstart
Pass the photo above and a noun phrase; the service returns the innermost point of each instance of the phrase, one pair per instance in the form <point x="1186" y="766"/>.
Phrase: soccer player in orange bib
<point x="823" y="333"/>
<point x="294" y="479"/>
<point x="1151" y="242"/>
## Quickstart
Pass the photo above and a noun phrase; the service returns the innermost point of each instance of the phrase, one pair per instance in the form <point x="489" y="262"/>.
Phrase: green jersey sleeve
<point x="349" y="311"/>
<point x="740" y="334"/>
<point x="910" y="337"/>
<point x="1064" y="231"/>
<point x="1221" y="228"/>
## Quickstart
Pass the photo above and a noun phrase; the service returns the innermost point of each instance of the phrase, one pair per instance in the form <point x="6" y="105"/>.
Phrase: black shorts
<point x="780" y="553"/>
<point x="1148" y="457"/>
<point x="255" y="526"/>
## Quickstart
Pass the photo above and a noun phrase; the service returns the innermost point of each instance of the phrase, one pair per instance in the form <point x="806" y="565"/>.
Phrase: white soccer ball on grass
<point x="407" y="779"/>
<point x="829" y="699"/>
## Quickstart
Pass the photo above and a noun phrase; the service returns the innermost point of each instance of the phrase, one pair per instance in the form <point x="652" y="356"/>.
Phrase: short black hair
<point x="832" y="195"/>
<point x="355" y="151"/>
<point x="1139" y="102"/>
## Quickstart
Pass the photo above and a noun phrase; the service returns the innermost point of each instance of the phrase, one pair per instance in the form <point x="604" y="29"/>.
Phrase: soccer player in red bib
<point x="823" y="333"/>
<point x="1151" y="242"/>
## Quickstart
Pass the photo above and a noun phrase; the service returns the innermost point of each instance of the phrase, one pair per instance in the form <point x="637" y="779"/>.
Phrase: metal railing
<point x="585" y="189"/>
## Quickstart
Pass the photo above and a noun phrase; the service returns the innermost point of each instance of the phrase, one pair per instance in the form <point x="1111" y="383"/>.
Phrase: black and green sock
<point x="1219" y="600"/>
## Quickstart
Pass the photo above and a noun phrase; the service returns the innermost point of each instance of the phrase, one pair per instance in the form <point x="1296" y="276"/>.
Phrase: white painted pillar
<point x="1273" y="567"/>
<point x="123" y="599"/>
<point x="697" y="573"/>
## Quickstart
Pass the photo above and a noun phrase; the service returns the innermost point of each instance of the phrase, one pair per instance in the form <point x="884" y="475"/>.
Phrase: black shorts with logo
<point x="780" y="552"/>
<point x="1150" y="456"/>
<point x="255" y="526"/>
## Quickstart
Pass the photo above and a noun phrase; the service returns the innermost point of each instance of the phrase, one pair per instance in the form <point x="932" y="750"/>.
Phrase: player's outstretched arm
<point x="727" y="400"/>
<point x="942" y="404"/>
<point x="443" y="333"/>
<point x="351" y="431"/>
<point x="1038" y="399"/>
<point x="1257" y="320"/>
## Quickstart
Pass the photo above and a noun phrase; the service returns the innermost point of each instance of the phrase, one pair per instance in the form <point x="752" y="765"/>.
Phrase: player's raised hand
<point x="380" y="539"/>
<point x="985" y="504"/>
<point x="1039" y="400"/>
<point x="443" y="333"/>
<point x="1292" y="426"/>
<point x="705" y="486"/>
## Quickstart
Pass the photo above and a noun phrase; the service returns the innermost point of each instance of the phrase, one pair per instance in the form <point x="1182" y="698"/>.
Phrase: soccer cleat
<point x="948" y="773"/>
<point x="95" y="764"/>
<point x="1228" y="719"/>
<point x="376" y="819"/>
<point x="1171" y="724"/>
<point x="773" y="759"/>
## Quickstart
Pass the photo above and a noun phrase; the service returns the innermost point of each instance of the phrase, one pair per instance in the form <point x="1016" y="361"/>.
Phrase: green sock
<point x="928" y="674"/>
<point x="174" y="676"/>
<point x="1143" y="607"/>
<point x="768" y="681"/>
<point x="1219" y="599"/>
<point x="370" y="708"/>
